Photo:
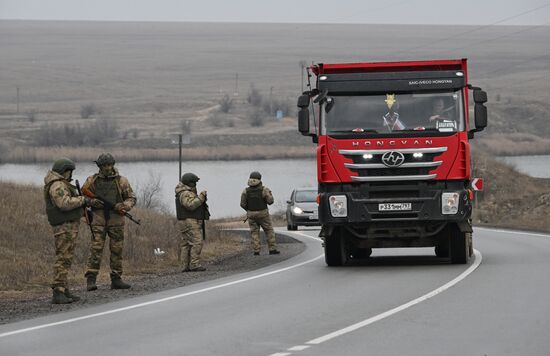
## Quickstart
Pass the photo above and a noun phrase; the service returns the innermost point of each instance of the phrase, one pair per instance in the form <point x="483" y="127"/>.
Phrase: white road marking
<point x="516" y="232"/>
<point x="156" y="301"/>
<point x="402" y="307"/>
<point x="299" y="348"/>
<point x="281" y="354"/>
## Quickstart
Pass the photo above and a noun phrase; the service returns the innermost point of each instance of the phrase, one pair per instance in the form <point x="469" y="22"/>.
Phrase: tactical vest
<point x="107" y="188"/>
<point x="200" y="213"/>
<point x="57" y="216"/>
<point x="254" y="198"/>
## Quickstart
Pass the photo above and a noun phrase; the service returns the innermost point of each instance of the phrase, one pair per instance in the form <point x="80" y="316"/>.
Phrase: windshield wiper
<point x="424" y="129"/>
<point x="354" y="131"/>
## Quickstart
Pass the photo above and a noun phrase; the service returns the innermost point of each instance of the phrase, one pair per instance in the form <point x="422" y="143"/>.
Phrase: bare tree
<point x="148" y="193"/>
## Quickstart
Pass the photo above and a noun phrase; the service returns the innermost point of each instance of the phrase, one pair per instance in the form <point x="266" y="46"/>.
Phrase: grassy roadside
<point x="510" y="199"/>
<point x="27" y="250"/>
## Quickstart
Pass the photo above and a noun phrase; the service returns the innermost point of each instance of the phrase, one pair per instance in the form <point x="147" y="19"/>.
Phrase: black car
<point x="302" y="208"/>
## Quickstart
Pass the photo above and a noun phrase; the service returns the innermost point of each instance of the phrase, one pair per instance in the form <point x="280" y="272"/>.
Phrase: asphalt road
<point x="394" y="305"/>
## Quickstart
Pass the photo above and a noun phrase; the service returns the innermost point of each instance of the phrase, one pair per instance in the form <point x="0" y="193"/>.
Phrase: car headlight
<point x="338" y="206"/>
<point x="449" y="203"/>
<point x="296" y="210"/>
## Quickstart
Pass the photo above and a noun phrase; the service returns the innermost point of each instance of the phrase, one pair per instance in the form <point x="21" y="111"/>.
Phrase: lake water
<point x="224" y="180"/>
<point x="535" y="166"/>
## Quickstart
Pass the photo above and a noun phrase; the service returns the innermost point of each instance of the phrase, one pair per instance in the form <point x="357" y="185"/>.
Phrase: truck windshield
<point x="386" y="113"/>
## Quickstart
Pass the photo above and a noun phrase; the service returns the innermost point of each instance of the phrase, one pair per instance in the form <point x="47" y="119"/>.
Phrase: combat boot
<point x="274" y="252"/>
<point x="72" y="296"/>
<point x="197" y="269"/>
<point x="117" y="283"/>
<point x="59" y="297"/>
<point x="90" y="283"/>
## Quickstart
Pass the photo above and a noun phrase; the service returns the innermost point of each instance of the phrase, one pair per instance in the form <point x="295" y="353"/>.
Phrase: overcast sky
<point x="470" y="12"/>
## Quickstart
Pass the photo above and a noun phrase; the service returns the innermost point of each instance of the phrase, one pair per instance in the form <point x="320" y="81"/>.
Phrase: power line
<point x="530" y="28"/>
<point x="473" y="29"/>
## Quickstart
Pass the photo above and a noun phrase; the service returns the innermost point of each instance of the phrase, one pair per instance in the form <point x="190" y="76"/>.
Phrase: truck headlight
<point x="338" y="206"/>
<point x="296" y="210"/>
<point x="449" y="203"/>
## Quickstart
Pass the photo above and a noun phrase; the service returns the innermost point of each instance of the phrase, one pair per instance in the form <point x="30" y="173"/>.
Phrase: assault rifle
<point x="87" y="210"/>
<point x="206" y="215"/>
<point x="108" y="206"/>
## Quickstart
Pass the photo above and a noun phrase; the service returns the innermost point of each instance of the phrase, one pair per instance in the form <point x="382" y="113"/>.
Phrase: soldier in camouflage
<point x="255" y="199"/>
<point x="64" y="210"/>
<point x="117" y="190"/>
<point x="191" y="210"/>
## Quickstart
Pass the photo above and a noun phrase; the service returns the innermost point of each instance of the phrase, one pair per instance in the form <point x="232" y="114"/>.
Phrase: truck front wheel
<point x="335" y="249"/>
<point x="460" y="246"/>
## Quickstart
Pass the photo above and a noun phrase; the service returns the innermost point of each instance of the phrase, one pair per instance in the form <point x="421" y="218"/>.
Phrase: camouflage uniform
<point x="191" y="209"/>
<point x="118" y="188"/>
<point x="64" y="210"/>
<point x="257" y="212"/>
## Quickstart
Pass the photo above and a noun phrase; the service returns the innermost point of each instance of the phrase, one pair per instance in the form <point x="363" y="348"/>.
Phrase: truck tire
<point x="442" y="251"/>
<point x="335" y="249"/>
<point x="460" y="246"/>
<point x="361" y="253"/>
<point x="470" y="244"/>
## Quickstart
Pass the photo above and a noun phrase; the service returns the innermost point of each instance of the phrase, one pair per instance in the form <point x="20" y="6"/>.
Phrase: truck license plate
<point x="394" y="206"/>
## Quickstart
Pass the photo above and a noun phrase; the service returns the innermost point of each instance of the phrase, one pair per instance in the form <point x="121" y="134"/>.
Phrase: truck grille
<point x="373" y="169"/>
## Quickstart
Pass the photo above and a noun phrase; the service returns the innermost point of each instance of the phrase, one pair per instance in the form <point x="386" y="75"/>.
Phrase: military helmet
<point x="255" y="175"/>
<point x="62" y="165"/>
<point x="104" y="159"/>
<point x="189" y="178"/>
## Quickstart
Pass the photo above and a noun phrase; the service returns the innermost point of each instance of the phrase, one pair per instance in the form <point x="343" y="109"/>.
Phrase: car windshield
<point x="303" y="196"/>
<point x="384" y="113"/>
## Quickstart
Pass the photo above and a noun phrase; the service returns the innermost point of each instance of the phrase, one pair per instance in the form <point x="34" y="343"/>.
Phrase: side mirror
<point x="303" y="121"/>
<point x="303" y="101"/>
<point x="480" y="116"/>
<point x="480" y="96"/>
<point x="288" y="201"/>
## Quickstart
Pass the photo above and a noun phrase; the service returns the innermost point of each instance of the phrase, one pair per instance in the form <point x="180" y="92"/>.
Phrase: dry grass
<point x="27" y="249"/>
<point x="515" y="144"/>
<point x="510" y="199"/>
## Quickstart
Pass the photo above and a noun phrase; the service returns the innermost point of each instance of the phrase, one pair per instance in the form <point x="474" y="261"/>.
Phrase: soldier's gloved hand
<point x="88" y="201"/>
<point x="120" y="208"/>
<point x="95" y="203"/>
<point x="203" y="195"/>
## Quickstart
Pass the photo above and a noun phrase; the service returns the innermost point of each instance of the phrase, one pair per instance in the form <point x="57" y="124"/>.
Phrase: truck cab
<point x="393" y="155"/>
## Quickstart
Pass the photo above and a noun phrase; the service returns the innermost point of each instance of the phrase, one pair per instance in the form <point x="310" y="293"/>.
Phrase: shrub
<point x="254" y="96"/>
<point x="100" y="131"/>
<point x="256" y="118"/>
<point x="226" y="104"/>
<point x="215" y="119"/>
<point x="88" y="110"/>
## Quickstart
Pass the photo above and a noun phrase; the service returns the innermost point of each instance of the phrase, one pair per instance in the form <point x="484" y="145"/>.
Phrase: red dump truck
<point x="393" y="155"/>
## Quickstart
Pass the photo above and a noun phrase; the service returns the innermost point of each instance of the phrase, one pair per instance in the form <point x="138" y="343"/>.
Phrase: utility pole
<point x="17" y="87"/>
<point x="271" y="101"/>
<point x="180" y="136"/>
